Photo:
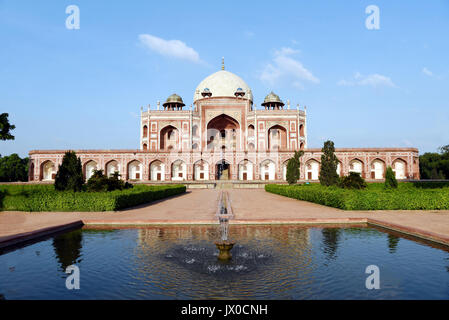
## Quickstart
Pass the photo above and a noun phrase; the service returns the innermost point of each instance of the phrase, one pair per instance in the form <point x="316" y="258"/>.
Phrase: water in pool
<point x="268" y="262"/>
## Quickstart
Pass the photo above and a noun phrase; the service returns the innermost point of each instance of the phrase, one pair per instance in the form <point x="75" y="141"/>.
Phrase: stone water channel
<point x="224" y="213"/>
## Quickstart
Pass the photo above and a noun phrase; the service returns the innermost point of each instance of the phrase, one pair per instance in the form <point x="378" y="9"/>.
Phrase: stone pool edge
<point x="17" y="239"/>
<point x="14" y="240"/>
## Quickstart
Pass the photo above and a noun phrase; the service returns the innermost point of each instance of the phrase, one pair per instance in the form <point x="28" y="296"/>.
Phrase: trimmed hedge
<point x="46" y="198"/>
<point x="375" y="197"/>
<point x="431" y="184"/>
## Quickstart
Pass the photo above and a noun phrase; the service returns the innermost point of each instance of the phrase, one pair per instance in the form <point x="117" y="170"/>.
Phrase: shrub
<point x="46" y="198"/>
<point x="431" y="184"/>
<point x="374" y="197"/>
<point x="99" y="182"/>
<point x="329" y="163"/>
<point x="293" y="166"/>
<point x="390" y="179"/>
<point x="352" y="181"/>
<point x="70" y="173"/>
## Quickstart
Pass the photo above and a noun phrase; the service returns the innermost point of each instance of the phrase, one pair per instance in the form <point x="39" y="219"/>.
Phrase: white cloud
<point x="373" y="80"/>
<point x="170" y="48"/>
<point x="427" y="72"/>
<point x="249" y="34"/>
<point x="285" y="67"/>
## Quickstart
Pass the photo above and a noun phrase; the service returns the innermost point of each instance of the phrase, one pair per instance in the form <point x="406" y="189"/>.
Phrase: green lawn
<point x="408" y="196"/>
<point x="46" y="198"/>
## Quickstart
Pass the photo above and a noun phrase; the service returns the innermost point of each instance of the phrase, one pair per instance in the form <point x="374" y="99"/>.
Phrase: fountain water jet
<point x="224" y="246"/>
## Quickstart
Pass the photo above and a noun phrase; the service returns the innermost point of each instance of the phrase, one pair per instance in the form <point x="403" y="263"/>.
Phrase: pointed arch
<point x="134" y="170"/>
<point x="111" y="167"/>
<point x="48" y="171"/>
<point x="357" y="165"/>
<point x="312" y="169"/>
<point x="399" y="167"/>
<point x="267" y="170"/>
<point x="377" y="169"/>
<point x="223" y="130"/>
<point x="169" y="138"/>
<point x="88" y="168"/>
<point x="179" y="170"/>
<point x="277" y="138"/>
<point x="246" y="170"/>
<point x="157" y="170"/>
<point x="201" y="170"/>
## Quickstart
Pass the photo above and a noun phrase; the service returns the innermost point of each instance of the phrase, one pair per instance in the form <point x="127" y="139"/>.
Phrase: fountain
<point x="224" y="245"/>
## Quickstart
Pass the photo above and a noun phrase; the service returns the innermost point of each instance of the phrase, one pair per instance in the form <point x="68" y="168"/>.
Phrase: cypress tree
<point x="293" y="166"/>
<point x="70" y="173"/>
<point x="329" y="163"/>
<point x="390" y="179"/>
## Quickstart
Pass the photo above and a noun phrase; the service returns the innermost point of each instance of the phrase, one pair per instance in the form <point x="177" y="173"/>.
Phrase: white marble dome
<point x="223" y="84"/>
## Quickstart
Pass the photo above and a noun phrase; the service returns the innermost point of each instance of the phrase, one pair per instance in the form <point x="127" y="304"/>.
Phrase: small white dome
<point x="223" y="84"/>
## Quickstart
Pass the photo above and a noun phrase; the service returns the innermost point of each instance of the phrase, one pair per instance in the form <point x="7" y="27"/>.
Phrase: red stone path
<point x="249" y="206"/>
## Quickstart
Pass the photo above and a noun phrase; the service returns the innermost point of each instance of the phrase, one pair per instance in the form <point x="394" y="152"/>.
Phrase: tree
<point x="434" y="165"/>
<point x="293" y="166"/>
<point x="329" y="164"/>
<point x="390" y="179"/>
<point x="70" y="173"/>
<point x="444" y="149"/>
<point x="6" y="127"/>
<point x="13" y="168"/>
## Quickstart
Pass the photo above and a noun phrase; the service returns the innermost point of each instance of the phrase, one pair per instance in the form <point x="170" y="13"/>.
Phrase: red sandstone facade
<point x="224" y="137"/>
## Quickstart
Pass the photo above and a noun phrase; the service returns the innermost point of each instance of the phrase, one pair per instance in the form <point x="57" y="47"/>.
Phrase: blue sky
<point x="82" y="89"/>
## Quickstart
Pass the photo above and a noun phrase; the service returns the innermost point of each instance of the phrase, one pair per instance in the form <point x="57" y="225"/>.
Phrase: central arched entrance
<point x="223" y="132"/>
<point x="223" y="170"/>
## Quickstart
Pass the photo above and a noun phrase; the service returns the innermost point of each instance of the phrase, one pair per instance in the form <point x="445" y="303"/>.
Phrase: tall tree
<point x="390" y="179"/>
<point x="6" y="127"/>
<point x="293" y="167"/>
<point x="329" y="164"/>
<point x="434" y="165"/>
<point x="70" y="173"/>
<point x="13" y="168"/>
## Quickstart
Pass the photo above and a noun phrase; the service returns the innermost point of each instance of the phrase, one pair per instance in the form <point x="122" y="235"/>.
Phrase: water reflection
<point x="264" y="259"/>
<point x="68" y="247"/>
<point x="392" y="243"/>
<point x="331" y="240"/>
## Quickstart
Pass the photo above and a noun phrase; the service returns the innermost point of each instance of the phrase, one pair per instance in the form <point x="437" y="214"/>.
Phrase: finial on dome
<point x="222" y="63"/>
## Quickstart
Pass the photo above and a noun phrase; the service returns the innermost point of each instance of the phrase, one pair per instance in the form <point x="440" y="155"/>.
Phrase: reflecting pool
<point x="268" y="262"/>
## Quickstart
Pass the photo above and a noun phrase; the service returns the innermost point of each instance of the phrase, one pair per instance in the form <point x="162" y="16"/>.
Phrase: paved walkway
<point x="249" y="206"/>
<point x="194" y="206"/>
<point x="259" y="206"/>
